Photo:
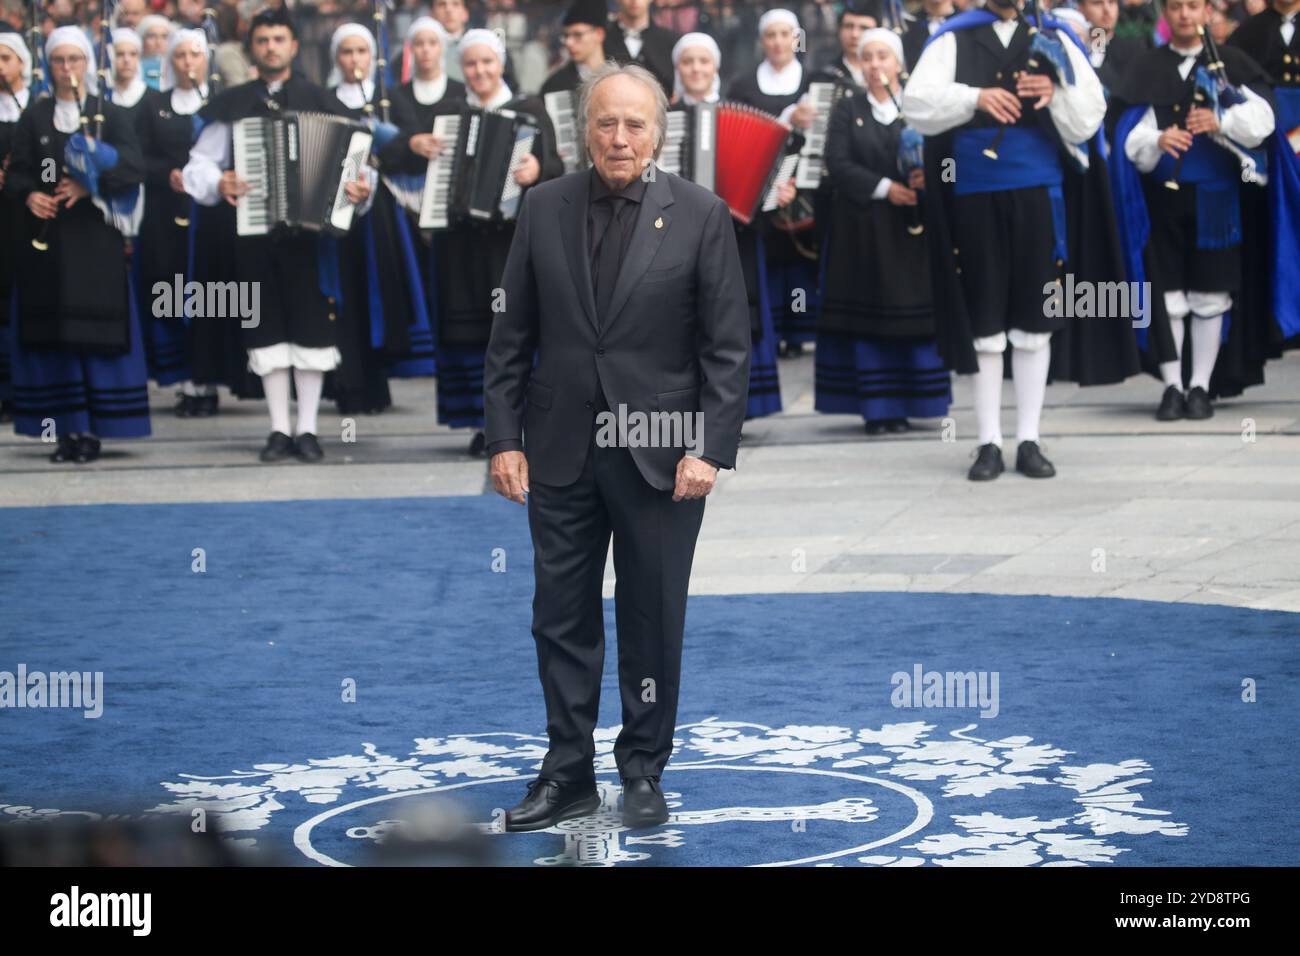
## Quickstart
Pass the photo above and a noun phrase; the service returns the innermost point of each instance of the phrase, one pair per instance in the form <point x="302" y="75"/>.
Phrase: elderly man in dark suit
<point x="626" y="283"/>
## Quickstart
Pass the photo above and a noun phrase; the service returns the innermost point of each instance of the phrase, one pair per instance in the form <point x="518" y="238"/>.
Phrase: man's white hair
<point x="636" y="72"/>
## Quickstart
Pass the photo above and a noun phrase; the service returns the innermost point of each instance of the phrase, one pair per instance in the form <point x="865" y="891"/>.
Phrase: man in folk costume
<point x="1190" y="199"/>
<point x="78" y="363"/>
<point x="295" y="332"/>
<point x="1028" y="200"/>
<point x="583" y="31"/>
<point x="632" y="37"/>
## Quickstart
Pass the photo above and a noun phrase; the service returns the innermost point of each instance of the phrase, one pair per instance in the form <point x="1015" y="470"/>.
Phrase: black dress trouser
<point x="654" y="544"/>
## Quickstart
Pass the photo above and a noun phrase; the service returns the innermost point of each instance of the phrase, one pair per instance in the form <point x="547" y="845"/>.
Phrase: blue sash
<point x="1026" y="158"/>
<point x="1216" y="175"/>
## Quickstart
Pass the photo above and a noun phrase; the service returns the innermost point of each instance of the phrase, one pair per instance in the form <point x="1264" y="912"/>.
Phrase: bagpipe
<point x="911" y="156"/>
<point x="36" y="47"/>
<point x="1211" y="90"/>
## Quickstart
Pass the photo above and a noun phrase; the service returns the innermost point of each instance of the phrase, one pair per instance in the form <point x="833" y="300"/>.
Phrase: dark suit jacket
<point x="676" y="338"/>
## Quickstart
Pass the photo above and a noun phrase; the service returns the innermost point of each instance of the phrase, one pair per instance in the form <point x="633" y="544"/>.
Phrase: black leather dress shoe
<point x="988" y="463"/>
<point x="66" y="450"/>
<point x="307" y="448"/>
<point x="1172" y="405"/>
<point x="643" y="803"/>
<point x="87" y="449"/>
<point x="550" y="801"/>
<point x="279" y="446"/>
<point x="1030" y="461"/>
<point x="1198" y="404"/>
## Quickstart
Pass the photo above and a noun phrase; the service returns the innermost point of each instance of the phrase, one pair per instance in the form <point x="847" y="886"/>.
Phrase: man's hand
<point x="358" y="189"/>
<point x="900" y="195"/>
<point x="1002" y="105"/>
<point x="1174" y="140"/>
<point x="176" y="180"/>
<point x="1201" y="120"/>
<point x="231" y="187"/>
<point x="510" y="475"/>
<point x="1035" y="86"/>
<point x="69" y="191"/>
<point x="528" y="171"/>
<point x="695" y="478"/>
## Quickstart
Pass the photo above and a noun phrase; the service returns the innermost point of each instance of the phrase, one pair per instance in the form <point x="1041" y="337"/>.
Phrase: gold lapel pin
<point x="659" y="223"/>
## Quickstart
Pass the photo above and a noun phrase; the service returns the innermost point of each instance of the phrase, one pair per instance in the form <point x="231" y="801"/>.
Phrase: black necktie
<point x="608" y="257"/>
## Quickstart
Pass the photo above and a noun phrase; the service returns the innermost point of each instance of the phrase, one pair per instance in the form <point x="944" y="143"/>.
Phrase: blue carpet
<point x="1121" y="736"/>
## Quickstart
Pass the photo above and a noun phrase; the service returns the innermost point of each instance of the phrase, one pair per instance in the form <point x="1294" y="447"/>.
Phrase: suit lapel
<point x="648" y="233"/>
<point x="573" y="228"/>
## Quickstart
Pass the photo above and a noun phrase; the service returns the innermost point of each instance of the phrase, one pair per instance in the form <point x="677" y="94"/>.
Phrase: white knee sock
<point x="276" y="385"/>
<point x="1172" y="372"/>
<point x="309" y="385"/>
<point x="1029" y="374"/>
<point x="1205" y="348"/>
<point x="986" y="395"/>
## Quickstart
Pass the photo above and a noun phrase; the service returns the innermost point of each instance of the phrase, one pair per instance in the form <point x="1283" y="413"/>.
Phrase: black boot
<point x="988" y="463"/>
<point x="1198" y="404"/>
<point x="550" y="801"/>
<point x="1030" y="461"/>
<point x="1172" y="405"/>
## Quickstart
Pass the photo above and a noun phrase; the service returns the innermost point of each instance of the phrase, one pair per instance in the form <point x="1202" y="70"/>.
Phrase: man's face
<point x="126" y="62"/>
<point x="129" y="12"/>
<point x="851" y="31"/>
<point x="633" y="9"/>
<point x="451" y="14"/>
<point x="1101" y="13"/>
<point x="354" y="59"/>
<point x="1184" y="16"/>
<point x="582" y="40"/>
<point x="621" y="129"/>
<point x="273" y="48"/>
<point x="482" y="70"/>
<point x="191" y="10"/>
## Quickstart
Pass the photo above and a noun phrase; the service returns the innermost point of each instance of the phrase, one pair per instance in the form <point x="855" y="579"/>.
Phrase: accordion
<point x="741" y="153"/>
<point x="473" y="178"/>
<point x="812" y="157"/>
<point x="562" y="108"/>
<point x="297" y="165"/>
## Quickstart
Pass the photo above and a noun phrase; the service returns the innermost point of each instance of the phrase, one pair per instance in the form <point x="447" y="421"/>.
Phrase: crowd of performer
<point x="978" y="167"/>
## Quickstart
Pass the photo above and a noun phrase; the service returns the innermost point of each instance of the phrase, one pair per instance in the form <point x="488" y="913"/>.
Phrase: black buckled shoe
<point x="66" y="450"/>
<point x="307" y="448"/>
<point x="1030" y="461"/>
<point x="988" y="463"/>
<point x="643" y="803"/>
<point x="550" y="801"/>
<point x="1198" y="404"/>
<point x="279" y="446"/>
<point x="87" y="449"/>
<point x="1172" y="405"/>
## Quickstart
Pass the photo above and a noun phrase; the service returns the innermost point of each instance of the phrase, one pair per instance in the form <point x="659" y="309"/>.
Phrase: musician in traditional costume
<point x="777" y="86"/>
<point x="404" y="162"/>
<point x="697" y="62"/>
<point x="1189" y="137"/>
<point x="78" y="363"/>
<point x="855" y="19"/>
<point x="15" y="96"/>
<point x="583" y="31"/>
<point x="632" y="37"/>
<point x="1272" y="39"/>
<point x="876" y="355"/>
<point x="295" y="331"/>
<point x="1006" y="215"/>
<point x="471" y="255"/>
<point x="1109" y="53"/>
<point x="155" y="32"/>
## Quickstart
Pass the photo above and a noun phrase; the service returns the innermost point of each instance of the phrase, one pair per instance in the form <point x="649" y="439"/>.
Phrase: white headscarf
<point x="777" y="15"/>
<point x="342" y="33"/>
<point x="14" y="41"/>
<point x="419" y="25"/>
<point x="478" y="35"/>
<point x="888" y="37"/>
<point x="685" y="43"/>
<point x="198" y="38"/>
<point x="75" y="36"/>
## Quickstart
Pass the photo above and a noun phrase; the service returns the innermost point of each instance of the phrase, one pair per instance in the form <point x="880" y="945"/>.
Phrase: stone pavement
<point x="1192" y="511"/>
